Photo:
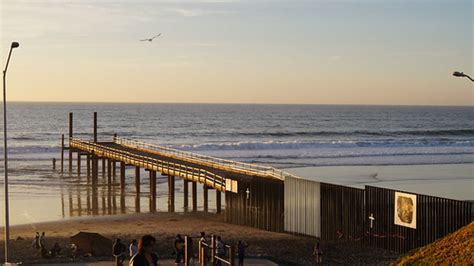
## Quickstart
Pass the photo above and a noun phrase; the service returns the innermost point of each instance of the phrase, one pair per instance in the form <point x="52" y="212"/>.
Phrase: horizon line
<point x="242" y="103"/>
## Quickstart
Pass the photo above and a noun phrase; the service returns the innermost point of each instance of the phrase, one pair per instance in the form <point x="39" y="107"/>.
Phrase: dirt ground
<point x="284" y="249"/>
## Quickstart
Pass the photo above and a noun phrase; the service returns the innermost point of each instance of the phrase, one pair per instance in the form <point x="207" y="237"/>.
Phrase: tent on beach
<point x="93" y="243"/>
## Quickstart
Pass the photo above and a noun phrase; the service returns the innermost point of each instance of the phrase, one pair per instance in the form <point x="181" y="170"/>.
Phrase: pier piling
<point x="218" y="201"/>
<point x="152" y="190"/>
<point x="122" y="176"/>
<point x="205" y="194"/>
<point x="137" y="180"/>
<point x="171" y="183"/>
<point x="194" y="195"/>
<point x="70" y="137"/>
<point x="78" y="164"/>
<point x="95" y="127"/>
<point x="88" y="166"/>
<point x="62" y="153"/>
<point x="185" y="194"/>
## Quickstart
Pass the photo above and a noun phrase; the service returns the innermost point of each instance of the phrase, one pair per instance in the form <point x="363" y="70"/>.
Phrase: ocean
<point x="284" y="136"/>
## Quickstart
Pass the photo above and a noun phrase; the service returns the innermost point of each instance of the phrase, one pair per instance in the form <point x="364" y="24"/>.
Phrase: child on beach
<point x="318" y="253"/>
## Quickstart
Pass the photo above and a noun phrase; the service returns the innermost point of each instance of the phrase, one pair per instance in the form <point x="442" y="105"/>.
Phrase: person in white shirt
<point x="133" y="248"/>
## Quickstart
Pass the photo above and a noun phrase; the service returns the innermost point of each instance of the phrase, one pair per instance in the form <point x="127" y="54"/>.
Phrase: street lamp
<point x="461" y="74"/>
<point x="5" y="153"/>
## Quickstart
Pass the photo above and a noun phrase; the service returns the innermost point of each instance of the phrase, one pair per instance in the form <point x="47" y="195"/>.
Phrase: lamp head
<point x="15" y="45"/>
<point x="458" y="74"/>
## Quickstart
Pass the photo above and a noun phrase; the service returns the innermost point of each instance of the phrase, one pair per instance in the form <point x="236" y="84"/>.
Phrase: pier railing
<point x="218" y="163"/>
<point x="167" y="167"/>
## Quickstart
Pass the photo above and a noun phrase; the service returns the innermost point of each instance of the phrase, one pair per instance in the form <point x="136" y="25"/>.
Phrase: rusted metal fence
<point x="342" y="212"/>
<point x="258" y="203"/>
<point x="435" y="218"/>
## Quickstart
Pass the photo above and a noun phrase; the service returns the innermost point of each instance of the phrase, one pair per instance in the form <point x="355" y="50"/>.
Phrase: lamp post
<point x="5" y="153"/>
<point x="461" y="75"/>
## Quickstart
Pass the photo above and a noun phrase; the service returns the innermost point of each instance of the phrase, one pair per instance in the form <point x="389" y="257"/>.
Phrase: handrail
<point x="233" y="165"/>
<point x="101" y="150"/>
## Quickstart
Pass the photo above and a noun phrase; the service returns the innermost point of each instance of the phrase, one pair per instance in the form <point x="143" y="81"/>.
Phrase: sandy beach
<point x="281" y="248"/>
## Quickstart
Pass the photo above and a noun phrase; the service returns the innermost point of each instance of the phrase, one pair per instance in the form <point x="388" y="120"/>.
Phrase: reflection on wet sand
<point x="99" y="199"/>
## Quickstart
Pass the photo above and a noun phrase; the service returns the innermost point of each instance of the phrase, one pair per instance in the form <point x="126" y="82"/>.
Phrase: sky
<point x="240" y="51"/>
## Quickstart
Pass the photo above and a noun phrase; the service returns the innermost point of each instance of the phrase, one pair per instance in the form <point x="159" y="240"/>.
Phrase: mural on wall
<point x="405" y="209"/>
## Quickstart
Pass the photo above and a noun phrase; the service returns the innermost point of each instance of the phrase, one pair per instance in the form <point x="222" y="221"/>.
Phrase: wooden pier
<point x="253" y="193"/>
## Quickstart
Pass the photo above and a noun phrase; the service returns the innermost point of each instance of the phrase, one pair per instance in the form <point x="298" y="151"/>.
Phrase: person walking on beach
<point x="178" y="248"/>
<point x="189" y="249"/>
<point x="119" y="250"/>
<point x="133" y="248"/>
<point x="317" y="253"/>
<point x="42" y="246"/>
<point x="35" y="243"/>
<point x="145" y="255"/>
<point x="241" y="246"/>
<point x="42" y="240"/>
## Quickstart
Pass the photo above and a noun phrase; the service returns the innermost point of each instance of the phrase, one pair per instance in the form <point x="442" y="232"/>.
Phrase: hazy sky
<point x="242" y="51"/>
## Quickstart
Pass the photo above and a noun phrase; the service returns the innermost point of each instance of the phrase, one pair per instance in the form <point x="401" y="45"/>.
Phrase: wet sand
<point x="281" y="248"/>
<point x="453" y="181"/>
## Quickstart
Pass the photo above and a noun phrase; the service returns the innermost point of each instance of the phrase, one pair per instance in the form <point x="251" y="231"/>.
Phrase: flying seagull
<point x="150" y="39"/>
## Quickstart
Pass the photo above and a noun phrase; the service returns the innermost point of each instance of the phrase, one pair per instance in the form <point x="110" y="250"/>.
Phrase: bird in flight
<point x="151" y="39"/>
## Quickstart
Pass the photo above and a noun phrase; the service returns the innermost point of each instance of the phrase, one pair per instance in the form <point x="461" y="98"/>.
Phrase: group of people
<point x="142" y="253"/>
<point x="39" y="243"/>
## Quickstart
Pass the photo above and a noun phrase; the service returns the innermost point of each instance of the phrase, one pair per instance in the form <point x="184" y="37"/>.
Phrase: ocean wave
<point x="287" y="145"/>
<point x="381" y="133"/>
<point x="32" y="149"/>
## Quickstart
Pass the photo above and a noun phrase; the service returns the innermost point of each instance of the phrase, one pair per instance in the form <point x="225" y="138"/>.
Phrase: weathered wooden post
<point x="122" y="176"/>
<point x="95" y="127"/>
<point x="231" y="256"/>
<point x="171" y="180"/>
<point x="218" y="201"/>
<point x="95" y="175"/>
<point x="70" y="137"/>
<point x="78" y="163"/>
<point x="88" y="166"/>
<point x="152" y="190"/>
<point x="212" y="248"/>
<point x="104" y="168"/>
<point x="201" y="253"/>
<point x="186" y="249"/>
<point x="185" y="192"/>
<point x="114" y="171"/>
<point x="205" y="196"/>
<point x="194" y="195"/>
<point x="137" y="180"/>
<point x="62" y="153"/>
<point x="109" y="172"/>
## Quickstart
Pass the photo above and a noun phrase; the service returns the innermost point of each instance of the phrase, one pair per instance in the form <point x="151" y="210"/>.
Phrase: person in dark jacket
<point x="146" y="255"/>
<point x="179" y="248"/>
<point x="241" y="251"/>
<point x="119" y="250"/>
